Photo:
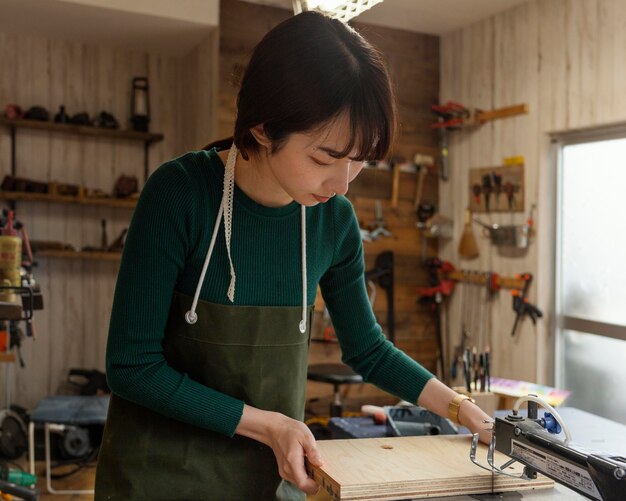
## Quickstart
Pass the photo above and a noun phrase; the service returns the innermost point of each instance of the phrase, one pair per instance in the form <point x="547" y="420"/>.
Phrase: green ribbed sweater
<point x="165" y="248"/>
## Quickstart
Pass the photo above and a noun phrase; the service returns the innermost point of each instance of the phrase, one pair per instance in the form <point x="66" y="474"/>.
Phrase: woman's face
<point x="307" y="166"/>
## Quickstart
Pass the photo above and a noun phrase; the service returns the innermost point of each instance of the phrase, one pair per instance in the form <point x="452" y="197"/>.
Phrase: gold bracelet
<point x="455" y="405"/>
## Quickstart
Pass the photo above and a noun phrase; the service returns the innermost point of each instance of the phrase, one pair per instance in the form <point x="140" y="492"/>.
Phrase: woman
<point x="209" y="331"/>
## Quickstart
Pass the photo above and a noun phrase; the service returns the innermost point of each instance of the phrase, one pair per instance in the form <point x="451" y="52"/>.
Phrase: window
<point x="590" y="292"/>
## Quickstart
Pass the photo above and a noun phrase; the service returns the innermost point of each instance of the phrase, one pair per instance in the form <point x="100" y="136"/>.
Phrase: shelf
<point x="67" y="254"/>
<point x="67" y="199"/>
<point x="82" y="130"/>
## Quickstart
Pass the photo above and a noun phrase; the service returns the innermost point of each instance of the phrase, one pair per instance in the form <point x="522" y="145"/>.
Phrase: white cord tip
<point x="302" y="326"/>
<point x="191" y="317"/>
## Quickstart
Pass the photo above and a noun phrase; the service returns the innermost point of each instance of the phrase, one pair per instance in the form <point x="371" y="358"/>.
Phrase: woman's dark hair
<point x="307" y="71"/>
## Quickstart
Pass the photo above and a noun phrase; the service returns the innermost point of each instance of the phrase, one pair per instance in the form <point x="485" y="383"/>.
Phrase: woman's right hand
<point x="291" y="441"/>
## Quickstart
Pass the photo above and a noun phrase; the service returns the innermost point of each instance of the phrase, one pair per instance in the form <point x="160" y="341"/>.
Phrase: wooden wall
<point x="72" y="329"/>
<point x="566" y="59"/>
<point x="413" y="61"/>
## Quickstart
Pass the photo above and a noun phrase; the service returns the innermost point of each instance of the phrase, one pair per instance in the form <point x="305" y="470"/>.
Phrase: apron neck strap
<point x="226" y="210"/>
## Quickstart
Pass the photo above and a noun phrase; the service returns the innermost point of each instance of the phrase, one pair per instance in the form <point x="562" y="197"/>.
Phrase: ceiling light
<point x="344" y="10"/>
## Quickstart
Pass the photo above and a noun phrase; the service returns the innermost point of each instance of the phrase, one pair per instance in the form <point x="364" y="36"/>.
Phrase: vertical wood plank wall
<point x="72" y="329"/>
<point x="566" y="59"/>
<point x="413" y="62"/>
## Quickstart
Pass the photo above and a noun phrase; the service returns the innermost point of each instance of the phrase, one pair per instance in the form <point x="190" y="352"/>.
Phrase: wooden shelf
<point x="67" y="254"/>
<point x="83" y="130"/>
<point x="67" y="199"/>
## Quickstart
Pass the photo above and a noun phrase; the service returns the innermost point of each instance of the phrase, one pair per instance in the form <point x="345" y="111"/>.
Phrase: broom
<point x="468" y="247"/>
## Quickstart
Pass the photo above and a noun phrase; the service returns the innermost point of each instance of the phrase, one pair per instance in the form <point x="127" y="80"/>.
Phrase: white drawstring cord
<point x="191" y="317"/>
<point x="227" y="202"/>
<point x="303" y="322"/>
<point x="226" y="209"/>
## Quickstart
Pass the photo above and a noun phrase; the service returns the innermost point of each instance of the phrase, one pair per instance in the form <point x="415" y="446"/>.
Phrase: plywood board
<point x="411" y="467"/>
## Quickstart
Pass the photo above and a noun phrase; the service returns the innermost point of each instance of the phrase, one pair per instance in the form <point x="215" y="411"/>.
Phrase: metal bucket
<point x="511" y="235"/>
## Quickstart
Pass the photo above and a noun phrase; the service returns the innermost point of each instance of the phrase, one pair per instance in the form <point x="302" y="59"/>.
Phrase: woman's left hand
<point x="476" y="420"/>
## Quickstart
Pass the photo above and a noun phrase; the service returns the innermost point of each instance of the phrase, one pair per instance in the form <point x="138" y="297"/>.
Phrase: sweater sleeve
<point x="363" y="345"/>
<point x="155" y="250"/>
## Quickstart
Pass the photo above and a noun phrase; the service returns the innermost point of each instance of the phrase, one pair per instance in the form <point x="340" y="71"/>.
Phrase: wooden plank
<point x="82" y="130"/>
<point x="411" y="467"/>
<point x="67" y="199"/>
<point x="65" y="254"/>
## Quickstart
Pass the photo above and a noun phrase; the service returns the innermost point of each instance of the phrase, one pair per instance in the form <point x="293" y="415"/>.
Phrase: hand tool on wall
<point x="452" y="115"/>
<point x="497" y="186"/>
<point x="467" y="371"/>
<point x="443" y="151"/>
<point x="449" y="116"/>
<point x="468" y="248"/>
<point x="381" y="226"/>
<point x="395" y="185"/>
<point x="521" y="306"/>
<point x="425" y="211"/>
<point x="509" y="190"/>
<point x="488" y="368"/>
<point x="487" y="189"/>
<point x="491" y="280"/>
<point x="379" y="229"/>
<point x="476" y="191"/>
<point x="419" y="187"/>
<point x="486" y="185"/>
<point x="439" y="289"/>
<point x="460" y="348"/>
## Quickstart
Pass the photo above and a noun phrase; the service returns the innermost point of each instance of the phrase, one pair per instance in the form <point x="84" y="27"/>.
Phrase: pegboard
<point x="511" y="181"/>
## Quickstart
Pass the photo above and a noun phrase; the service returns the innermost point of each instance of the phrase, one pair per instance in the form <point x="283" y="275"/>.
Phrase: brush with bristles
<point x="468" y="248"/>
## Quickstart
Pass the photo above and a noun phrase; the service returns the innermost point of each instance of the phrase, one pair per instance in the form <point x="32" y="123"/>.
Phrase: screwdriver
<point x="497" y="189"/>
<point x="476" y="190"/>
<point x="509" y="189"/>
<point x="487" y="189"/>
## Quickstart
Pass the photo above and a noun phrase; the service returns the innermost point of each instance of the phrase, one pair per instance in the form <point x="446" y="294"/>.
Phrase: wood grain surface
<point x="411" y="467"/>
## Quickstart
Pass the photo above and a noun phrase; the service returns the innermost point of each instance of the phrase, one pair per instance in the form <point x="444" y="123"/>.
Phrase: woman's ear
<point x="258" y="132"/>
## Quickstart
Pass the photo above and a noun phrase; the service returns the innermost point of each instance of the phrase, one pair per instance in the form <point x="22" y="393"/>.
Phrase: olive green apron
<point x="256" y="354"/>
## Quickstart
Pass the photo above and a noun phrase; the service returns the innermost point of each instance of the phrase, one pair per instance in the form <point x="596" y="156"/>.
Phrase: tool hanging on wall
<point x="452" y="115"/>
<point x="419" y="187"/>
<point x="493" y="281"/>
<point x="521" y="306"/>
<point x="379" y="228"/>
<point x="510" y="235"/>
<point x="434" y="296"/>
<point x="519" y="286"/>
<point x="468" y="248"/>
<point x="472" y="355"/>
<point x="420" y="165"/>
<point x="487" y="185"/>
<point x="457" y="357"/>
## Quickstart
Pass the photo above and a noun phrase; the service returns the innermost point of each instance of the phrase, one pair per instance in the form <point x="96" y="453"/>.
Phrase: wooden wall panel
<point x="564" y="58"/>
<point x="413" y="61"/>
<point x="72" y="329"/>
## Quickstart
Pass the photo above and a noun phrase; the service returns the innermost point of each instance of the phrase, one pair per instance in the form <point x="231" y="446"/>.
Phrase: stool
<point x="335" y="374"/>
<point x="55" y="413"/>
